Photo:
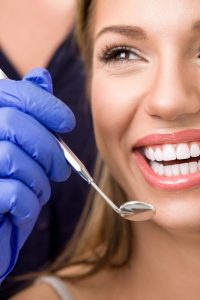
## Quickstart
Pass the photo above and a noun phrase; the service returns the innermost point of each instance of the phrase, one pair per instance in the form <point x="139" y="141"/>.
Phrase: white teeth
<point x="169" y="153"/>
<point x="151" y="154"/>
<point x="172" y="152"/>
<point x="182" y="151"/>
<point x="158" y="154"/>
<point x="146" y="153"/>
<point x="194" y="150"/>
<point x="184" y="168"/>
<point x="168" y="171"/>
<point x="161" y="169"/>
<point x="193" y="167"/>
<point x="175" y="170"/>
<point x="154" y="166"/>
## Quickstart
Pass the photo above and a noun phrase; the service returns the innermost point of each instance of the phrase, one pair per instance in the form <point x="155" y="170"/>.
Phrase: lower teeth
<point x="176" y="169"/>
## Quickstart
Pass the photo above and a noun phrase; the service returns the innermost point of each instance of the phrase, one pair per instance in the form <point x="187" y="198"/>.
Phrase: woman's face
<point x="146" y="103"/>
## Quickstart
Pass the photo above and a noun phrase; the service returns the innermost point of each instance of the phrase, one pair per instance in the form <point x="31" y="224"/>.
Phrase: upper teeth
<point x="172" y="152"/>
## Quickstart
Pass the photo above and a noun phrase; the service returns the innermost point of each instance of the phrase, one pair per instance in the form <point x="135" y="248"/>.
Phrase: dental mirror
<point x="132" y="210"/>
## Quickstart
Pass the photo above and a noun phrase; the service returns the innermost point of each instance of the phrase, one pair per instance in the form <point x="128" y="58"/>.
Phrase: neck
<point x="164" y="265"/>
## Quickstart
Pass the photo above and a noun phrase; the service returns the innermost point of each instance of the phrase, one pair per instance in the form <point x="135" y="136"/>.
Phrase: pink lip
<point x="164" y="182"/>
<point x="185" y="136"/>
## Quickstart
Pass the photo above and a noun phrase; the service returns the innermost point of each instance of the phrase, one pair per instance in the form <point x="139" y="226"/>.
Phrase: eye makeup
<point x="117" y="54"/>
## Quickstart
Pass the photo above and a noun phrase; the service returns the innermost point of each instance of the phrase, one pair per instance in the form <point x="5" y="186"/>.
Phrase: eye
<point x="119" y="54"/>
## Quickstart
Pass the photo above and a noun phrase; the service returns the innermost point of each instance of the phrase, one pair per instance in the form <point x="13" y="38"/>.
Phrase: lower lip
<point x="164" y="182"/>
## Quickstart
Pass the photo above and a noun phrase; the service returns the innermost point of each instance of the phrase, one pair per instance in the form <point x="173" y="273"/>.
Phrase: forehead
<point x="150" y="14"/>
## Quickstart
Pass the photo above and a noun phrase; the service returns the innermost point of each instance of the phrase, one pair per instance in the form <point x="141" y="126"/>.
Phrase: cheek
<point x="117" y="104"/>
<point x="109" y="118"/>
<point x="108" y="105"/>
<point x="114" y="103"/>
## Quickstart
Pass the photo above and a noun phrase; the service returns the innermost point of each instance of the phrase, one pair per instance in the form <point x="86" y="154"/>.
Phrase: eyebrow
<point x="134" y="32"/>
<point x="128" y="31"/>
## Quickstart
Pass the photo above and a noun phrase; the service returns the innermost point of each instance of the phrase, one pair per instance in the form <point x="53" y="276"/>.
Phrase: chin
<point x="177" y="212"/>
<point x="166" y="168"/>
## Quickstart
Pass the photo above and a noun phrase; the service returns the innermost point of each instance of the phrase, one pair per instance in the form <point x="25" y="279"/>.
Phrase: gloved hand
<point x="29" y="157"/>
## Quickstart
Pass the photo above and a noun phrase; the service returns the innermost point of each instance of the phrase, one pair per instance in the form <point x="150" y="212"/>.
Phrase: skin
<point x="152" y="94"/>
<point x="156" y="91"/>
<point x="156" y="88"/>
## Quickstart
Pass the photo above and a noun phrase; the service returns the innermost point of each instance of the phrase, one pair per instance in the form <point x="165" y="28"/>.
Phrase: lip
<point x="163" y="182"/>
<point x="169" y="138"/>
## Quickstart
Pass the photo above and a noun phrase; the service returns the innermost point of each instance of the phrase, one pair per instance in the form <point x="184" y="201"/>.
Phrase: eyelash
<point x="111" y="54"/>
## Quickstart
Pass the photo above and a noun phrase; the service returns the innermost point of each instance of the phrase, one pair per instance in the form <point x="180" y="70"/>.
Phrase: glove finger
<point x="20" y="208"/>
<point x="16" y="164"/>
<point x="40" y="77"/>
<point x="35" y="140"/>
<point x="19" y="201"/>
<point x="35" y="101"/>
<point x="8" y="255"/>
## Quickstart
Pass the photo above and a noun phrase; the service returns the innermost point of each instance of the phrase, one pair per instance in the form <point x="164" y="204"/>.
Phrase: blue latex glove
<point x="29" y="157"/>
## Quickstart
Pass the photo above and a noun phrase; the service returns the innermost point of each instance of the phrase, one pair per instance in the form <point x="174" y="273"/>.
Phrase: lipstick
<point x="170" y="161"/>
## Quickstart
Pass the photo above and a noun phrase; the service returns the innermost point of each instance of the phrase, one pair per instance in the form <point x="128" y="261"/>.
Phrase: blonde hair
<point x="100" y="234"/>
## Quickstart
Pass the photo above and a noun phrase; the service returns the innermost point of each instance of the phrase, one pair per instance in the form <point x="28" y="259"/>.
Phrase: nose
<point x="175" y="90"/>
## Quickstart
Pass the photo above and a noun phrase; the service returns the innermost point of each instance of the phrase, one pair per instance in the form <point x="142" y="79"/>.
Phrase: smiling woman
<point x="143" y="63"/>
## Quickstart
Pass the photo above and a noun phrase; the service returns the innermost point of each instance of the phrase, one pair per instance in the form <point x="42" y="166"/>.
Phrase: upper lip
<point x="184" y="136"/>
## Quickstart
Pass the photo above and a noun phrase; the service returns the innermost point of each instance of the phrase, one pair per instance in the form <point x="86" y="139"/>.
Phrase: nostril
<point x="172" y="96"/>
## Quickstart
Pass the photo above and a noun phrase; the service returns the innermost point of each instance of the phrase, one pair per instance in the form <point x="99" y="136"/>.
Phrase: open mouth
<point x="174" y="160"/>
<point x="168" y="165"/>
